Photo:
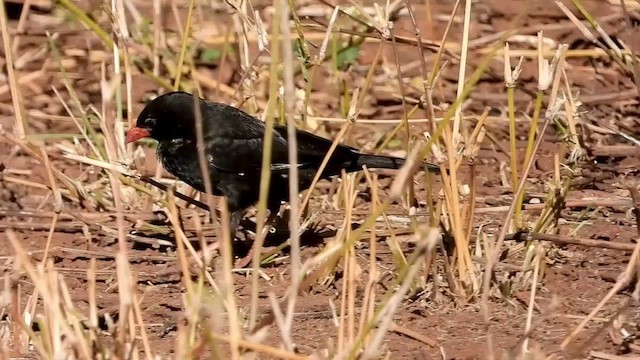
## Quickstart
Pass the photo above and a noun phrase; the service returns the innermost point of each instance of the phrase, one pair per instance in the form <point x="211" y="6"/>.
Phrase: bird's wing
<point x="235" y="140"/>
<point x="312" y="148"/>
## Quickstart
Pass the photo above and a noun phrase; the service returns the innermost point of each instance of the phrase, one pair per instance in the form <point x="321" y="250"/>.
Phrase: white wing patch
<point x="277" y="167"/>
<point x="280" y="167"/>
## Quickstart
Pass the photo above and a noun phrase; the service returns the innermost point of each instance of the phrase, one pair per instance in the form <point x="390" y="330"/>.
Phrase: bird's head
<point x="167" y="117"/>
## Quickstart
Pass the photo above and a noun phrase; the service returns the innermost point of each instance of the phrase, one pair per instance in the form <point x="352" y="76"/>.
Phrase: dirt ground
<point x="576" y="278"/>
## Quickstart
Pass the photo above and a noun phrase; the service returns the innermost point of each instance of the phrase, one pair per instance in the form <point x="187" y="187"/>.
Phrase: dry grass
<point x="272" y="49"/>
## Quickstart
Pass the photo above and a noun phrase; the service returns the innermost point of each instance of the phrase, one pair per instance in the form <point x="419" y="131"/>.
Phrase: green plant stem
<point x="183" y="48"/>
<point x="514" y="151"/>
<point x="88" y="22"/>
<point x="531" y="140"/>
<point x="304" y="48"/>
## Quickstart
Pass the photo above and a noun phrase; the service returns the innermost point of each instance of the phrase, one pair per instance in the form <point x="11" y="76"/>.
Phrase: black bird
<point x="233" y="143"/>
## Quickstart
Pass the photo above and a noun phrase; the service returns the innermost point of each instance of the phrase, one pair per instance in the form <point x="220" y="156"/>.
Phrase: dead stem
<point x="20" y="123"/>
<point x="294" y="199"/>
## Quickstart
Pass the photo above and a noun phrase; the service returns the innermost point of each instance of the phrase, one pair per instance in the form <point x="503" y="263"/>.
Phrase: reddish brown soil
<point x="575" y="280"/>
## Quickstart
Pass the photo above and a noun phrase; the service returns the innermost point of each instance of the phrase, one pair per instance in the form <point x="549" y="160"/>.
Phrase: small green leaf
<point x="348" y="55"/>
<point x="210" y="55"/>
<point x="304" y="62"/>
<point x="297" y="50"/>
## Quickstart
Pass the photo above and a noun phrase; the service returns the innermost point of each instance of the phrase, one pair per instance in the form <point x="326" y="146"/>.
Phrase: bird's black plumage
<point x="233" y="143"/>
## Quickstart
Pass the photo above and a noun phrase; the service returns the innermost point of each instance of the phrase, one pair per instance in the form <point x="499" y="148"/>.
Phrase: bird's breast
<point x="180" y="158"/>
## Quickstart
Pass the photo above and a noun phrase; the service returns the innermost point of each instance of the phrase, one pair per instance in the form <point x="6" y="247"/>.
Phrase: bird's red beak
<point x="135" y="134"/>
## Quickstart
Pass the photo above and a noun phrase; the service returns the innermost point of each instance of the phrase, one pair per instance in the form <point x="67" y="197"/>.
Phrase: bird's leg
<point x="267" y="225"/>
<point x="234" y="221"/>
<point x="235" y="216"/>
<point x="274" y="209"/>
<point x="268" y="222"/>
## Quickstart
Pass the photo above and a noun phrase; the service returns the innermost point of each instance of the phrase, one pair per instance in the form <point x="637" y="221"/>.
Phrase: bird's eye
<point x="149" y="122"/>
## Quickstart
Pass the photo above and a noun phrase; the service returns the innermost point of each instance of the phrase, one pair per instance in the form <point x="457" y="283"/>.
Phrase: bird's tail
<point x="388" y="162"/>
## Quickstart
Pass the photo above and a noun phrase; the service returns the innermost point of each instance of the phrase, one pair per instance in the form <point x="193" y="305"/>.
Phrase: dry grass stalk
<point x="20" y="123"/>
<point x="532" y="297"/>
<point x="427" y="239"/>
<point x="265" y="174"/>
<point x="294" y="199"/>
<point x="461" y="76"/>
<point x="202" y="158"/>
<point x="355" y="338"/>
<point x="57" y="205"/>
<point x="55" y="318"/>
<point x="352" y="116"/>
